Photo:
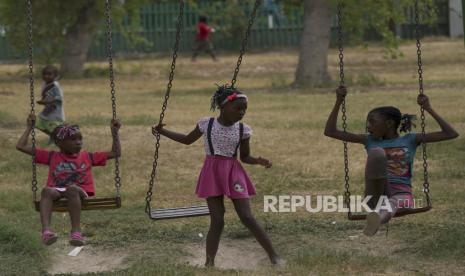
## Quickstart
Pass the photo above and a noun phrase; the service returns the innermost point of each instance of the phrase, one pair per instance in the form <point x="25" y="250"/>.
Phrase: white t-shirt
<point x="224" y="138"/>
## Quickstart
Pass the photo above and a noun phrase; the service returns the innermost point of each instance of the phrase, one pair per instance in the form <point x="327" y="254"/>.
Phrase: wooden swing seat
<point x="103" y="203"/>
<point x="181" y="212"/>
<point x="399" y="214"/>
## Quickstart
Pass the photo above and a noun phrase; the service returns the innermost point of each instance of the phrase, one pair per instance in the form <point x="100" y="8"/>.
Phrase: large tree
<point x="62" y="30"/>
<point x="358" y="16"/>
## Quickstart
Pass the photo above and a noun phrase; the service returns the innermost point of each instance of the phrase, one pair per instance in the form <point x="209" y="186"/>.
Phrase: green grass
<point x="288" y="129"/>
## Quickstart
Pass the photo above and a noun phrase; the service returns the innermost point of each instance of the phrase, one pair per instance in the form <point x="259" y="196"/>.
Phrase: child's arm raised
<point x="248" y="159"/>
<point x="44" y="102"/>
<point x="447" y="131"/>
<point x="331" y="125"/>
<point x="22" y="144"/>
<point x="188" y="139"/>
<point x="116" y="145"/>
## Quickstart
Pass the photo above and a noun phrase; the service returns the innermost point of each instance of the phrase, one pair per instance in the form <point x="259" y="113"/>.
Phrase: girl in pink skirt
<point x="222" y="174"/>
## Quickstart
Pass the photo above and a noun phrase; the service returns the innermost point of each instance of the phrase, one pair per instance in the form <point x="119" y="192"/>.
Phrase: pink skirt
<point x="222" y="175"/>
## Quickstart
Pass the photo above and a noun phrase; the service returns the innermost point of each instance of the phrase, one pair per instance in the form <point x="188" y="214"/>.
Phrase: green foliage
<point x="380" y="16"/>
<point x="231" y="18"/>
<point x="52" y="20"/>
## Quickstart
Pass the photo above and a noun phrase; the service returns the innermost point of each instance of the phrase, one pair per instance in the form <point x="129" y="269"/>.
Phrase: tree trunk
<point x="77" y="40"/>
<point x="312" y="69"/>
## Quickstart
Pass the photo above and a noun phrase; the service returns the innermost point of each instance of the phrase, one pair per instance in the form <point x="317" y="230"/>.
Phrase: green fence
<point x="158" y="27"/>
<point x="158" y="22"/>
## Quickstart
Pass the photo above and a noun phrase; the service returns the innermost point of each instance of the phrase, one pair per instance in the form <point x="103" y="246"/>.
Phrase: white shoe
<point x="373" y="223"/>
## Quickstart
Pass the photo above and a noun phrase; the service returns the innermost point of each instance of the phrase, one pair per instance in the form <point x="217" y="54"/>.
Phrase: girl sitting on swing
<point x="69" y="176"/>
<point x="389" y="164"/>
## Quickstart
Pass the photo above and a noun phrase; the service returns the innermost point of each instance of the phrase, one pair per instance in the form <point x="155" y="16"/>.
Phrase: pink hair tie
<point x="65" y="131"/>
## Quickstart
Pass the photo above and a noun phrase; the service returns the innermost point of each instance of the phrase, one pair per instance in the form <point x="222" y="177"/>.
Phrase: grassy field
<point x="288" y="129"/>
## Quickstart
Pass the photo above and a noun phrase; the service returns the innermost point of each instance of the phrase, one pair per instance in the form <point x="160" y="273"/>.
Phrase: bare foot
<point x="277" y="261"/>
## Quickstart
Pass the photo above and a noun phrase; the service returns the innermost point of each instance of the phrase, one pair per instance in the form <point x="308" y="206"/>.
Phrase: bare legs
<point x="376" y="185"/>
<point x="203" y="45"/>
<point x="47" y="197"/>
<point x="242" y="206"/>
<point x="73" y="194"/>
<point x="244" y="212"/>
<point x="216" y="207"/>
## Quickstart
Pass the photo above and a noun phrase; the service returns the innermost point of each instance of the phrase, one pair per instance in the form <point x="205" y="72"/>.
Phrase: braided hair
<point x="403" y="122"/>
<point x="64" y="131"/>
<point x="221" y="94"/>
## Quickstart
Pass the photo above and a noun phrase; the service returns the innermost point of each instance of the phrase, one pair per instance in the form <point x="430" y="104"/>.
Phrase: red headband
<point x="233" y="97"/>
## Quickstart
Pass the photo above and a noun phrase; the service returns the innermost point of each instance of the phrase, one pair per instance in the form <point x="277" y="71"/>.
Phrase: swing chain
<point x="422" y="111"/>
<point x="343" y="106"/>
<point x="112" y="89"/>
<point x="179" y="27"/>
<point x="245" y="41"/>
<point x="31" y="89"/>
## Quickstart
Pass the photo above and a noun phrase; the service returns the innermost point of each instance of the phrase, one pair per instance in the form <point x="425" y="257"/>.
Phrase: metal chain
<point x="32" y="103"/>
<point x="179" y="27"/>
<point x="244" y="41"/>
<point x="343" y="106"/>
<point x="112" y="90"/>
<point x="422" y="111"/>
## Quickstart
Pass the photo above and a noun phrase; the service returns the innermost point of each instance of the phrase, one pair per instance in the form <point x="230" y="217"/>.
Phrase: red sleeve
<point x="203" y="28"/>
<point x="42" y="156"/>
<point x="98" y="158"/>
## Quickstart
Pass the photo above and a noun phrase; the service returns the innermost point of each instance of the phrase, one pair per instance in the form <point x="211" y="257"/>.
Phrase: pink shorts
<point x="402" y="194"/>
<point x="222" y="175"/>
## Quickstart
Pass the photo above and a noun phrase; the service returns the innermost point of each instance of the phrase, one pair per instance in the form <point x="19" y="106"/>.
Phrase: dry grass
<point x="288" y="126"/>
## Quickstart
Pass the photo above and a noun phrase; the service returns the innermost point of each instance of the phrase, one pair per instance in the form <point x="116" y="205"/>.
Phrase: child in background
<point x="52" y="98"/>
<point x="202" y="40"/>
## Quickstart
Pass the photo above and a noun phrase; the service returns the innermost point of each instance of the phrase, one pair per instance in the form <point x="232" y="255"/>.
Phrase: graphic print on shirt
<point x="398" y="162"/>
<point x="67" y="173"/>
<point x="238" y="187"/>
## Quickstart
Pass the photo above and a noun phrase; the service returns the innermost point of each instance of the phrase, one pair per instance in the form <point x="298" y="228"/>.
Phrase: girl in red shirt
<point x="69" y="176"/>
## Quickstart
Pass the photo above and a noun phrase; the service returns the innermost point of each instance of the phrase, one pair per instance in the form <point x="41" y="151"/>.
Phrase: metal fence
<point x="273" y="28"/>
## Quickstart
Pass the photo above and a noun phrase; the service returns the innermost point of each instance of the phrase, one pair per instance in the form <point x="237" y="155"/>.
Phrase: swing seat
<point x="181" y="212"/>
<point x="351" y="216"/>
<point x="61" y="205"/>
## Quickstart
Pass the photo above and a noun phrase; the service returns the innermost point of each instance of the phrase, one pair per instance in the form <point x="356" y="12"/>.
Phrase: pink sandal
<point x="48" y="237"/>
<point x="76" y="239"/>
